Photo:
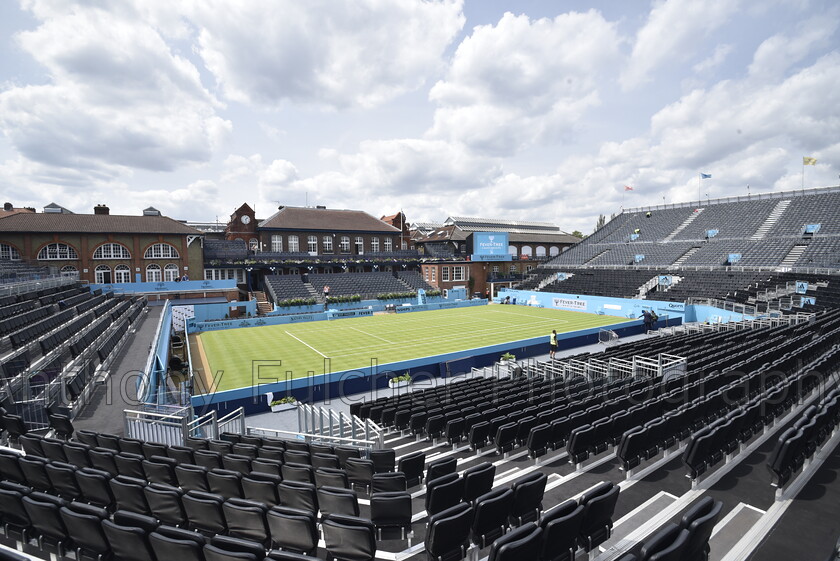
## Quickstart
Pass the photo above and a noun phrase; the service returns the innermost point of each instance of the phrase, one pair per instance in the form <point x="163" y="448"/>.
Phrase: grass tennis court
<point x="346" y="344"/>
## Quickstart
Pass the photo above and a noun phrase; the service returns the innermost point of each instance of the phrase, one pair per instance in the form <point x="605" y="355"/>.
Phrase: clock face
<point x="246" y="219"/>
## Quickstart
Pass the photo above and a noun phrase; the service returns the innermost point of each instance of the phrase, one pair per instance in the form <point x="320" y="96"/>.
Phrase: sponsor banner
<point x="801" y="287"/>
<point x="734" y="257"/>
<point x="665" y="280"/>
<point x="575" y="304"/>
<point x="807" y="300"/>
<point x="490" y="246"/>
<point x="676" y="306"/>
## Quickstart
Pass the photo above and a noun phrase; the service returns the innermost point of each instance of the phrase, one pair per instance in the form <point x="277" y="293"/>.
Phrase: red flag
<point x="628" y="188"/>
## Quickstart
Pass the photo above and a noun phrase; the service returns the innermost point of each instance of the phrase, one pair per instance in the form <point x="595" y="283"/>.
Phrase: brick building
<point x="101" y="247"/>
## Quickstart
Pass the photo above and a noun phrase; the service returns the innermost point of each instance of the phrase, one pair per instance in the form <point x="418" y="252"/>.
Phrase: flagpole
<point x="803" y="174"/>
<point x="699" y="198"/>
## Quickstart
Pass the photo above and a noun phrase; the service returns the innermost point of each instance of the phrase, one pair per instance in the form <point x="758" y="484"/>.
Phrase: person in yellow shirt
<point x="552" y="343"/>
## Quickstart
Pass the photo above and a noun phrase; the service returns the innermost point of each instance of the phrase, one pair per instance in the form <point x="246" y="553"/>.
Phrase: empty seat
<point x="443" y="492"/>
<point x="448" y="533"/>
<point x="192" y="478"/>
<point x="298" y="472"/>
<point x="204" y="512"/>
<point x="389" y="481"/>
<point x="349" y="537"/>
<point x="228" y="548"/>
<point x="492" y="511"/>
<point x="527" y="497"/>
<point x="598" y="507"/>
<point x="700" y="520"/>
<point x="521" y="543"/>
<point x="331" y="477"/>
<point x="165" y="504"/>
<point x="296" y="494"/>
<point x="130" y="465"/>
<point x="441" y="467"/>
<point x="128" y="494"/>
<point x="478" y="480"/>
<point x="261" y="487"/>
<point x="561" y="526"/>
<point x="94" y="487"/>
<point x="247" y="520"/>
<point x="337" y="500"/>
<point x="412" y="465"/>
<point x="128" y="543"/>
<point x="391" y="510"/>
<point x="666" y="545"/>
<point x="176" y="543"/>
<point x="293" y="529"/>
<point x="359" y="471"/>
<point x="384" y="461"/>
<point x="45" y="516"/>
<point x="226" y="483"/>
<point x="84" y="526"/>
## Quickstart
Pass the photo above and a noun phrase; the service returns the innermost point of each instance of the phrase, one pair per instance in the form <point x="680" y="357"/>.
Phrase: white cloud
<point x="335" y="54"/>
<point x="674" y="28"/>
<point x="716" y="59"/>
<point x="523" y="81"/>
<point x="778" y="53"/>
<point x="117" y="97"/>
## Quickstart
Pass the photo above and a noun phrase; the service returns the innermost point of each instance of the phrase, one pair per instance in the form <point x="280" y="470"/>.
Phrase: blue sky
<point x="538" y="110"/>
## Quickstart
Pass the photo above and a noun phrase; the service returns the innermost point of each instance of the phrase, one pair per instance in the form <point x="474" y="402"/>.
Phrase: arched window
<point x="8" y="253"/>
<point x="512" y="250"/>
<point x="161" y="251"/>
<point x="70" y="271"/>
<point x="170" y="272"/>
<point x="153" y="273"/>
<point x="254" y="244"/>
<point x="554" y="251"/>
<point x="111" y="251"/>
<point x="540" y="251"/>
<point x="102" y="274"/>
<point x="56" y="251"/>
<point x="526" y="250"/>
<point x="122" y="273"/>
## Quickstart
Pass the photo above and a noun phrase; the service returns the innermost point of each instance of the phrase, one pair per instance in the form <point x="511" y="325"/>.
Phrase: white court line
<point x="307" y="344"/>
<point x="372" y="335"/>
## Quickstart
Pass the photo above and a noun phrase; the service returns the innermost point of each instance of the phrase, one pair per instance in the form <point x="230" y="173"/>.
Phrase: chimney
<point x="8" y="206"/>
<point x="101" y="209"/>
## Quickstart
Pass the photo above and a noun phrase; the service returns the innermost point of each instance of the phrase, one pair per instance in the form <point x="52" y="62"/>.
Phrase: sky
<point x="529" y="110"/>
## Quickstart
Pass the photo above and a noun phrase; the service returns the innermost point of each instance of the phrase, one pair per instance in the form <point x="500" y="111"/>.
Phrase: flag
<point x="628" y="188"/>
<point x="808" y="161"/>
<point x="705" y="175"/>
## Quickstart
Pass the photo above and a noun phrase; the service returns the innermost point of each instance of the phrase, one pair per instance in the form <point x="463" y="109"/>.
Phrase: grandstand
<point x="697" y="441"/>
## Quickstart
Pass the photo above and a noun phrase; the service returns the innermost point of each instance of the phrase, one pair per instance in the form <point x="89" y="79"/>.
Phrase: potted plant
<point x="400" y="381"/>
<point x="283" y="404"/>
<point x="507" y="358"/>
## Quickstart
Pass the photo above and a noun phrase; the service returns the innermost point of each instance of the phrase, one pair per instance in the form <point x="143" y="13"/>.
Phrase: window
<point x="225" y="274"/>
<point x="8" y="253"/>
<point x="554" y="251"/>
<point x="444" y="274"/>
<point x="426" y="273"/>
<point x="312" y="244"/>
<point x="57" y="251"/>
<point x="160" y="251"/>
<point x="512" y="268"/>
<point x="327" y="241"/>
<point x="70" y="271"/>
<point x="276" y="243"/>
<point x="374" y="244"/>
<point x="495" y="268"/>
<point x="122" y="273"/>
<point x="254" y="244"/>
<point x="153" y="273"/>
<point x="360" y="245"/>
<point x="512" y="250"/>
<point x="345" y="244"/>
<point x="403" y="245"/>
<point x="434" y="273"/>
<point x="526" y="250"/>
<point x="294" y="246"/>
<point x="389" y="244"/>
<point x="102" y="274"/>
<point x="457" y="273"/>
<point x="111" y="251"/>
<point x="170" y="272"/>
<point x="540" y="251"/>
<point x="529" y="268"/>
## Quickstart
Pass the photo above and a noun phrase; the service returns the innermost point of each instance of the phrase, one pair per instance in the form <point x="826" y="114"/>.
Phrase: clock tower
<point x="242" y="225"/>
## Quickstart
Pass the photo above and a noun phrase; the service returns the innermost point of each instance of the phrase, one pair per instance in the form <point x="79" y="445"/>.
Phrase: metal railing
<point x="328" y="424"/>
<point x="739" y="199"/>
<point x="28" y="285"/>
<point x="662" y="365"/>
<point x="158" y="423"/>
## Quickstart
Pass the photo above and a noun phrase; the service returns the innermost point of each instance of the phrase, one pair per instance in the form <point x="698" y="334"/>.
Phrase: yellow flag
<point x="808" y="161"/>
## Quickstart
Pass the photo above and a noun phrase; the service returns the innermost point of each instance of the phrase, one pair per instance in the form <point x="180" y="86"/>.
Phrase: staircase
<point x="597" y="256"/>
<point x="550" y="279"/>
<point x="314" y="293"/>
<point x="793" y="256"/>
<point x="263" y="305"/>
<point x="772" y="219"/>
<point x="685" y="256"/>
<point x="684" y="225"/>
